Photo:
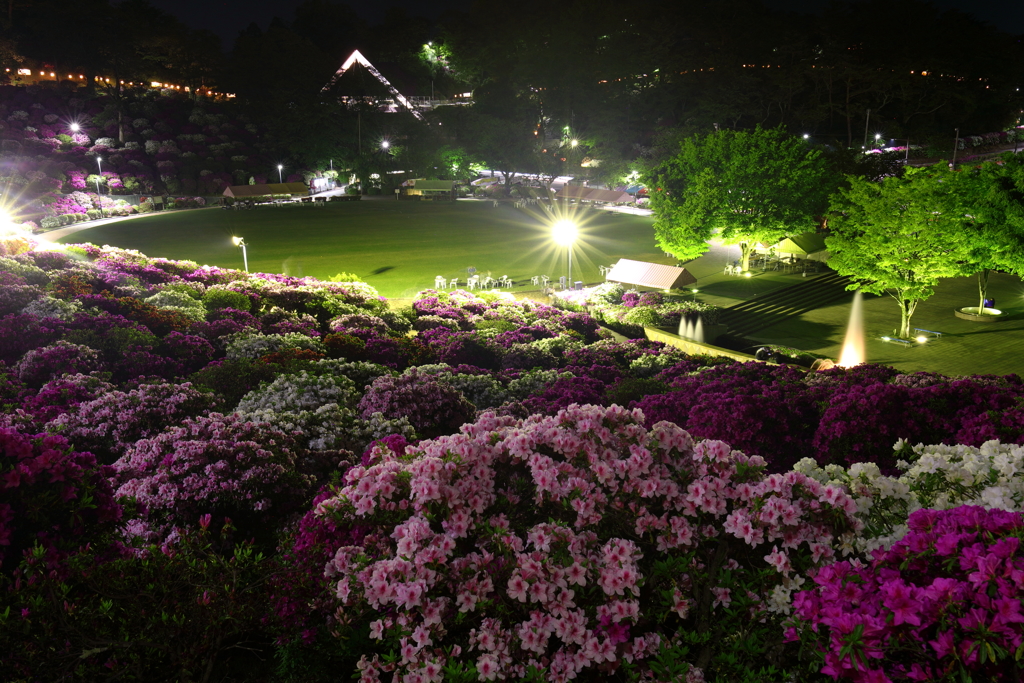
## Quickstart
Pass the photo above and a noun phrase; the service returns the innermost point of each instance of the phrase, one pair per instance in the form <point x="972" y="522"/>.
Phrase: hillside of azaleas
<point x="208" y="474"/>
<point x="51" y="139"/>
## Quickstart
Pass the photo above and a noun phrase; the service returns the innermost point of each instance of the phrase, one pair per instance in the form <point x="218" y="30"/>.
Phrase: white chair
<point x="439" y="282"/>
<point x="505" y="282"/>
<point x="562" y="282"/>
<point x="728" y="269"/>
<point x="454" y="283"/>
<point x="473" y="282"/>
<point x="545" y="280"/>
<point x="535" y="280"/>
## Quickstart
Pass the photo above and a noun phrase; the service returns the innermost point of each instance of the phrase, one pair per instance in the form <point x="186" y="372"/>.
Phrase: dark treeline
<point x="614" y="79"/>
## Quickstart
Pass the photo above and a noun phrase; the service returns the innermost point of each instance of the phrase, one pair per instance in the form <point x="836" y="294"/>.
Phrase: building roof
<point x="653" y="275"/>
<point x="592" y="194"/>
<point x="239" y="191"/>
<point x="420" y="184"/>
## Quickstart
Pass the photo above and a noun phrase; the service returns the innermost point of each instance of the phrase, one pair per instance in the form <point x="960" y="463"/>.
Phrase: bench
<point x="931" y="334"/>
<point x="896" y="340"/>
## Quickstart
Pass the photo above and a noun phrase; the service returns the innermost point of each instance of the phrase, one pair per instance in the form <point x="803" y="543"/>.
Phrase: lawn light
<point x="564" y="233"/>
<point x="279" y="177"/>
<point x="239" y="242"/>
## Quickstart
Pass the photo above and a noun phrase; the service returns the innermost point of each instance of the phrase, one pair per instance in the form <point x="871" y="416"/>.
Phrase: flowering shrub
<point x="432" y="407"/>
<point x="942" y="603"/>
<point x="39" y="366"/>
<point x="573" y="543"/>
<point x="214" y="464"/>
<point x="113" y="422"/>
<point x="53" y="496"/>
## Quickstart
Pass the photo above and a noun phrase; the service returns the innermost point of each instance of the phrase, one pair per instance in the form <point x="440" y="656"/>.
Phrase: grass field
<point x="396" y="246"/>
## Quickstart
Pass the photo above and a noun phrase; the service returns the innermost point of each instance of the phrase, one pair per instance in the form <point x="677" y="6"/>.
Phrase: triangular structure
<point x="357" y="58"/>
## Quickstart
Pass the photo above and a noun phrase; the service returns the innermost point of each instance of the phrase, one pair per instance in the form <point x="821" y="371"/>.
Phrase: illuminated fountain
<point x="853" y="352"/>
<point x="692" y="330"/>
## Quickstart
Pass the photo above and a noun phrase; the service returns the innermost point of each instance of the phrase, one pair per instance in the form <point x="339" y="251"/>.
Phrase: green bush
<point x="217" y="297"/>
<point x="145" y="206"/>
<point x="92" y="214"/>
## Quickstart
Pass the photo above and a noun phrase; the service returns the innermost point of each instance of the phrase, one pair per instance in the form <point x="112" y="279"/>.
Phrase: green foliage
<point x="218" y="297"/>
<point x="739" y="186"/>
<point x="901" y="236"/>
<point x="345" y="277"/>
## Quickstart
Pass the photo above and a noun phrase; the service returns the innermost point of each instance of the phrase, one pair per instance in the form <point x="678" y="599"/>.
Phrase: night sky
<point x="227" y="17"/>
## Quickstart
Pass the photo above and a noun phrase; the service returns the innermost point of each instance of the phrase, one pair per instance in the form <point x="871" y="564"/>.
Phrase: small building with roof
<point x="650" y="275"/>
<point x="266" y="189"/>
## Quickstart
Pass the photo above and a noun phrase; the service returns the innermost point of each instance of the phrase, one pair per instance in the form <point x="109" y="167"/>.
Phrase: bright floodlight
<point x="806" y="136"/>
<point x="385" y="144"/>
<point x="564" y="232"/>
<point x="237" y="241"/>
<point x="574" y="143"/>
<point x="74" y="127"/>
<point x="878" y="136"/>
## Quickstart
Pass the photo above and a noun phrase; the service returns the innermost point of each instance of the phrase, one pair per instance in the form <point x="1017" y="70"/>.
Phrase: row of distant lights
<point x="153" y="84"/>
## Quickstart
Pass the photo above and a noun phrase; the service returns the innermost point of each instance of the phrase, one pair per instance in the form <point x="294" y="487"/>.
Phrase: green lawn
<point x="396" y="246"/>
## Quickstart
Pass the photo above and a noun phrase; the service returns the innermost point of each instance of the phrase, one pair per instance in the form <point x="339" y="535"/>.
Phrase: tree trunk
<point x="982" y="290"/>
<point x="746" y="248"/>
<point x="907" y="307"/>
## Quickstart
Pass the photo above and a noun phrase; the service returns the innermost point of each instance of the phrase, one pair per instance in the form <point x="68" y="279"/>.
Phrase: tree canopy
<point x="738" y="186"/>
<point x="901" y="236"/>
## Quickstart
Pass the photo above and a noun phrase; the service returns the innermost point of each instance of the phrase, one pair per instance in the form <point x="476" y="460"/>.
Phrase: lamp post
<point x="239" y="242"/>
<point x="564" y="234"/>
<point x="279" y="177"/>
<point x="956" y="143"/>
<point x="99" y="162"/>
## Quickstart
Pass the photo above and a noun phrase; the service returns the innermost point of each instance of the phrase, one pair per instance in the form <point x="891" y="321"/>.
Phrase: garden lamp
<point x="239" y="242"/>
<point x="564" y="234"/>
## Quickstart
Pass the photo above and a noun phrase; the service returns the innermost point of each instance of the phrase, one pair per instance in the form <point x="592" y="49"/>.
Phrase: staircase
<point x="772" y="308"/>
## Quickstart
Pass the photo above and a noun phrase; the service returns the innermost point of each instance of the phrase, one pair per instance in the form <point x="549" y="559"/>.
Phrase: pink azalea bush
<point x="570" y="544"/>
<point x="943" y="603"/>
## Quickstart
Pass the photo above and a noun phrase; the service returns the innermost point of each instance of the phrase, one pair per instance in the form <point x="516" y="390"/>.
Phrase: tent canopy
<point x="653" y="275"/>
<point x="803" y="244"/>
<point x="242" y="191"/>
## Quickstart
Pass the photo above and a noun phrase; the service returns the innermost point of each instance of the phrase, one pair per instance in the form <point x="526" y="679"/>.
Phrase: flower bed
<point x="495" y="489"/>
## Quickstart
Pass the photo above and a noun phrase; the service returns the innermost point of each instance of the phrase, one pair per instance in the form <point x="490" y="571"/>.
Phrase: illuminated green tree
<point x="901" y="236"/>
<point x="742" y="187"/>
<point x="997" y="235"/>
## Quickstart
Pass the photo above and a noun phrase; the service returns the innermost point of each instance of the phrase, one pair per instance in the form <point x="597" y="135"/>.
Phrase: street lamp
<point x="564" y="234"/>
<point x="75" y="127"/>
<point x="384" y="144"/>
<point x="99" y="162"/>
<point x="279" y="178"/>
<point x="694" y="293"/>
<point x="239" y="242"/>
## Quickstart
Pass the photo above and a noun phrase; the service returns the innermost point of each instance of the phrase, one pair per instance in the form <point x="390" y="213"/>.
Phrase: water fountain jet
<point x="854" y="352"/>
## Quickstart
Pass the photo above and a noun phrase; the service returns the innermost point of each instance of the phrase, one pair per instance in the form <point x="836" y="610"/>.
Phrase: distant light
<point x="74" y="127"/>
<point x="886" y="338"/>
<point x="806" y="136"/>
<point x="921" y="339"/>
<point x="878" y="136"/>
<point x="748" y="274"/>
<point x="574" y="143"/>
<point x="385" y="144"/>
